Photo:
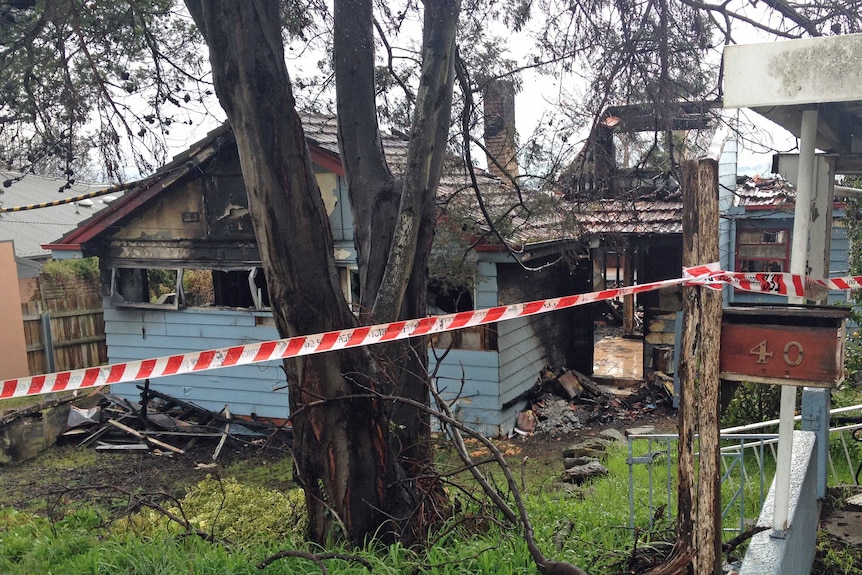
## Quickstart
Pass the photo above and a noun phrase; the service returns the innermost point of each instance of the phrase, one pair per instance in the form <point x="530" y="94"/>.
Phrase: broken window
<point x="349" y="280"/>
<point x="240" y="288"/>
<point x="143" y="287"/>
<point x="763" y="250"/>
<point x="446" y="299"/>
<point x="477" y="338"/>
<point x="190" y="287"/>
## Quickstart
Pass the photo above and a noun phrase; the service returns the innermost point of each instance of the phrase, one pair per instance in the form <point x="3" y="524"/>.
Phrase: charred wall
<point x="566" y="335"/>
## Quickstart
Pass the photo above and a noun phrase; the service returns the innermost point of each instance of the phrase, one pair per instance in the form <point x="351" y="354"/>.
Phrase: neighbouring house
<point x="13" y="345"/>
<point x="30" y="229"/>
<point x="181" y="273"/>
<point x="760" y="232"/>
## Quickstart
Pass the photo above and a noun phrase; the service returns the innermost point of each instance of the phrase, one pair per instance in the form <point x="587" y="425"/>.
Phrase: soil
<point x="66" y="472"/>
<point x="78" y="473"/>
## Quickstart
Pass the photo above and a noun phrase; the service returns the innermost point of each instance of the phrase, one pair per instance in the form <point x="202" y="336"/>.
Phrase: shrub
<point x="752" y="402"/>
<point x="244" y="515"/>
<point x="79" y="274"/>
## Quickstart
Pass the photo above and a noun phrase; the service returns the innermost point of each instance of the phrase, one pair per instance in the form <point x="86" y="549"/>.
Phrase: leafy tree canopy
<point x="124" y="77"/>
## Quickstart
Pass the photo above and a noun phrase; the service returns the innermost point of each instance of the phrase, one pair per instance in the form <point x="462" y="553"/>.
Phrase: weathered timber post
<point x="699" y="370"/>
<point x="628" y="300"/>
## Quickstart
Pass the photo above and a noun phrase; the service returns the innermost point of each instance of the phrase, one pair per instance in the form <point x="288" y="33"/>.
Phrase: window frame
<point x="179" y="299"/>
<point x="740" y="256"/>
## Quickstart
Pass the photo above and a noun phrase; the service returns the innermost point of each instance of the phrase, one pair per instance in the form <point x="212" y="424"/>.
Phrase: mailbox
<point x="786" y="345"/>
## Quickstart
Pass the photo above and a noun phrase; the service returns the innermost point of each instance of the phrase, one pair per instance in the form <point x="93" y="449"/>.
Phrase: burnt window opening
<point x="190" y="287"/>
<point x="240" y="288"/>
<point x="145" y="287"/>
<point x="477" y="338"/>
<point x="445" y="298"/>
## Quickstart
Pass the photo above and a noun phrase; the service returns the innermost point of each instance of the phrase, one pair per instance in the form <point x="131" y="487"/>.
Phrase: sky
<point x="761" y="137"/>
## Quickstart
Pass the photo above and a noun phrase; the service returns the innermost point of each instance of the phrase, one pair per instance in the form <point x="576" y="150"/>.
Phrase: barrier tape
<point x="709" y="276"/>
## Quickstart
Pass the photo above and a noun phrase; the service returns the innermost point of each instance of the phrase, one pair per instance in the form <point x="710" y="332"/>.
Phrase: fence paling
<point x="77" y="335"/>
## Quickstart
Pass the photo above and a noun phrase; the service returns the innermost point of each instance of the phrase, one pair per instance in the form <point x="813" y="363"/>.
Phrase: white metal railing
<point x="734" y="473"/>
<point x="841" y="430"/>
<point x="737" y="441"/>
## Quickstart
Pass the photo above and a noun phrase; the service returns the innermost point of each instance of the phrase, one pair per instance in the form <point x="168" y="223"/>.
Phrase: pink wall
<point x="13" y="349"/>
<point x="27" y="288"/>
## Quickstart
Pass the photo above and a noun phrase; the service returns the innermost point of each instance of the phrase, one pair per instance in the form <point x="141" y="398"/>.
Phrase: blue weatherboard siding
<point x="468" y="381"/>
<point x="134" y="334"/>
<point x="477" y="383"/>
<point x="522" y="358"/>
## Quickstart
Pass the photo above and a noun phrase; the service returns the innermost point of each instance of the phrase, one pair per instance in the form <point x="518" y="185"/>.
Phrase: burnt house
<point x="181" y="273"/>
<point x="630" y="207"/>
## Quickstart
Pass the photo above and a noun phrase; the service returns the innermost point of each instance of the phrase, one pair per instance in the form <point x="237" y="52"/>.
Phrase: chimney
<point x="500" y="131"/>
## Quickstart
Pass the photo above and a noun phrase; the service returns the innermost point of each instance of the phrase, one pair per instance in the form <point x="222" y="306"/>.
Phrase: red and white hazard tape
<point x="787" y="284"/>
<point x="710" y="276"/>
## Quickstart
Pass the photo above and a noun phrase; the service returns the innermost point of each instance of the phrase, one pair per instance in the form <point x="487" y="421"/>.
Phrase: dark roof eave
<point x="165" y="177"/>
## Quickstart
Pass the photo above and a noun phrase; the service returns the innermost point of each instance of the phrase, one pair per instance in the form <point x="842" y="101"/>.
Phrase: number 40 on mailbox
<point x="786" y="345"/>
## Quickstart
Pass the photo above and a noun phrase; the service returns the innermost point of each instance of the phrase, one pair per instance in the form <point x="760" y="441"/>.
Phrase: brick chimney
<point x="500" y="134"/>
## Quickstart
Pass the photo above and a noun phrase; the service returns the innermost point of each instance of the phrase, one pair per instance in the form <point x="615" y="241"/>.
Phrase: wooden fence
<point x="65" y="333"/>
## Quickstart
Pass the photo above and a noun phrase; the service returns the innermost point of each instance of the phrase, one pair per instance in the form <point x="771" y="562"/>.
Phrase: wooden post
<point x="699" y="363"/>
<point x="48" y="343"/>
<point x="687" y="373"/>
<point x="628" y="300"/>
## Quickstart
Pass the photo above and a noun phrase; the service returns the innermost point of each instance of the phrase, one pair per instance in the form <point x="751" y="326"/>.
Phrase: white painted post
<point x="798" y="265"/>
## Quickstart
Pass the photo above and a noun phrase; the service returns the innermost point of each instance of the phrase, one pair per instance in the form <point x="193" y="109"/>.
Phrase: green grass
<point x="262" y="472"/>
<point x="251" y="517"/>
<point x="594" y="516"/>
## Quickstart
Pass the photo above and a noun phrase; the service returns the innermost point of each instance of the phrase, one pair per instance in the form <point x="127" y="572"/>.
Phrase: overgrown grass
<point x="256" y="525"/>
<point x="587" y="525"/>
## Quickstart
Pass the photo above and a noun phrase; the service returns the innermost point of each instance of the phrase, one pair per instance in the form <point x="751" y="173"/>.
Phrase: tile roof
<point x="31" y="228"/>
<point x="756" y="192"/>
<point x="639" y="217"/>
<point x="523" y="217"/>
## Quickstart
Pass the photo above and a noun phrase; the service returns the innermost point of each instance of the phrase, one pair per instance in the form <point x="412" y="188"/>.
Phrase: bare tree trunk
<point x="395" y="218"/>
<point x="341" y="448"/>
<point x="359" y="476"/>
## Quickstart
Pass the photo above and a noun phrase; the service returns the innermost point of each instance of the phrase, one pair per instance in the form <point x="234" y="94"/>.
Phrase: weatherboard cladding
<point x="469" y="381"/>
<point x="135" y="334"/>
<point x="839" y="249"/>
<point x="486" y="287"/>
